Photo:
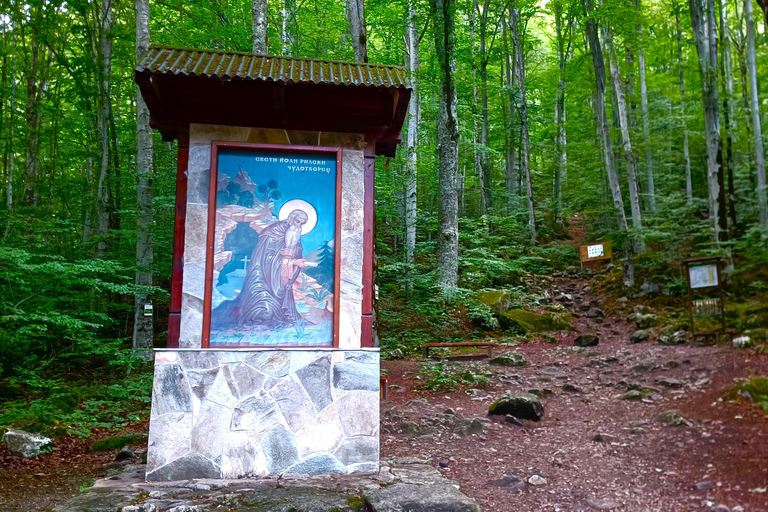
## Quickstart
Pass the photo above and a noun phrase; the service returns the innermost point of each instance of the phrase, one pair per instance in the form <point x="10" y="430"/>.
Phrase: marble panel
<point x="166" y="358"/>
<point x="195" y="235"/>
<point x="170" y="391"/>
<point x="316" y="379"/>
<point x="198" y="182"/>
<point x="202" y="134"/>
<point x="169" y="438"/>
<point x="316" y="465"/>
<point x="356" y="450"/>
<point x="293" y="402"/>
<point x="190" y="331"/>
<point x="257" y="414"/>
<point x="198" y="359"/>
<point x="343" y="140"/>
<point x="199" y="160"/>
<point x="279" y="448"/>
<point x="359" y="413"/>
<point x="201" y="380"/>
<point x="220" y="393"/>
<point x="210" y="427"/>
<point x="242" y="379"/>
<point x="350" y="313"/>
<point x="267" y="136"/>
<point x="190" y="466"/>
<point x="303" y="138"/>
<point x="242" y="455"/>
<point x="271" y="363"/>
<point x="353" y="376"/>
<point x="322" y="435"/>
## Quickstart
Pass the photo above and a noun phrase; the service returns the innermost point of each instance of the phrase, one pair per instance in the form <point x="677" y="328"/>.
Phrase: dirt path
<point x="641" y="464"/>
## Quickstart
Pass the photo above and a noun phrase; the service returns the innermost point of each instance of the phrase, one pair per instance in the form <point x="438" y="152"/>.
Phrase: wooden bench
<point x="425" y="347"/>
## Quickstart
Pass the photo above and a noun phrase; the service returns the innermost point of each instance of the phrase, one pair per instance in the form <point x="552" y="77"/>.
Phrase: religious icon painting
<point x="272" y="266"/>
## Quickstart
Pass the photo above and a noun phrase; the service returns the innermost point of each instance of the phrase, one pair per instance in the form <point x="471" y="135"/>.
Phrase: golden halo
<point x="299" y="204"/>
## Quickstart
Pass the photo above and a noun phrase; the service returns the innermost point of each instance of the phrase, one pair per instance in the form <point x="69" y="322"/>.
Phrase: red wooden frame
<point x="211" y="238"/>
<point x="180" y="218"/>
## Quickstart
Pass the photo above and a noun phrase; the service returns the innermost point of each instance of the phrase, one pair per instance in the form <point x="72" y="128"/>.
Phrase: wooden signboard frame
<point x="607" y="253"/>
<point x="697" y="262"/>
<point x="211" y="240"/>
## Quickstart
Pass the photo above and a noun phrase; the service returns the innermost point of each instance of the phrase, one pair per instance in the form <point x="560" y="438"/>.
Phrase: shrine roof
<point x="209" y="63"/>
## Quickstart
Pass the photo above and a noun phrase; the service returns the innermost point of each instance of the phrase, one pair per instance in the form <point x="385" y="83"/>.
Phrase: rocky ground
<point x="600" y="445"/>
<point x="604" y="442"/>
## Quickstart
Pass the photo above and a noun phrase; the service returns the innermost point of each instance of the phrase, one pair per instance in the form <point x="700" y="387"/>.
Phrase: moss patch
<point x="117" y="442"/>
<point x="529" y="322"/>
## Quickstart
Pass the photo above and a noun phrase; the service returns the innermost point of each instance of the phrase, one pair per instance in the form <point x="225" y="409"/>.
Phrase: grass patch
<point x="117" y="442"/>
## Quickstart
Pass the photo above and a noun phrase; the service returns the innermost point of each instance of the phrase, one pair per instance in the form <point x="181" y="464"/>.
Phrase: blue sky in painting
<point x="315" y="187"/>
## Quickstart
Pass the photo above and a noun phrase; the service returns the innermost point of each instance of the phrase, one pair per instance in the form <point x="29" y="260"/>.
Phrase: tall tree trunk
<point x="447" y="144"/>
<point x="259" y="13"/>
<point x="357" y="27"/>
<point x="287" y="39"/>
<point x="105" y="26"/>
<point x="605" y="133"/>
<point x="475" y="153"/>
<point x="703" y="22"/>
<point x="649" y="179"/>
<point x="726" y="70"/>
<point x="412" y="61"/>
<point x="522" y="107"/>
<point x="629" y="157"/>
<point x="36" y="85"/>
<point x="485" y="160"/>
<point x="561" y="155"/>
<point x="686" y="153"/>
<point x="754" y="104"/>
<point x="11" y="136"/>
<point x="510" y="178"/>
<point x="741" y="45"/>
<point x="142" y="324"/>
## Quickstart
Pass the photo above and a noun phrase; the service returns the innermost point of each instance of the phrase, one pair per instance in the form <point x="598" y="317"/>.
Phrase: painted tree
<point x="443" y="12"/>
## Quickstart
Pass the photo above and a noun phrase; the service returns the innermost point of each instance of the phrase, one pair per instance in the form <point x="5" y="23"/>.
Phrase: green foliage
<point x="444" y="377"/>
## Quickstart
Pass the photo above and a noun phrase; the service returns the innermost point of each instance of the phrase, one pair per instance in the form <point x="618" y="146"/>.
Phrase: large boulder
<point x="586" y="340"/>
<point x="509" y="359"/>
<point x="25" y="444"/>
<point x="530" y="322"/>
<point x="520" y="405"/>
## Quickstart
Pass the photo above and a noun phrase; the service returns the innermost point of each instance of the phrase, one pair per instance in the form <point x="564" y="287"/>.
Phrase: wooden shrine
<point x="271" y="366"/>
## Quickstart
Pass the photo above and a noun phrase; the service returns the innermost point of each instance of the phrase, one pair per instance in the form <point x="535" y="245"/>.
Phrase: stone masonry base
<point x="234" y="413"/>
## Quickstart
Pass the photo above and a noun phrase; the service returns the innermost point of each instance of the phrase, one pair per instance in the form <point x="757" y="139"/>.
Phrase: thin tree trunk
<point x="11" y="136"/>
<point x="36" y="84"/>
<point x="105" y="24"/>
<point x="599" y="105"/>
<point x="142" y="324"/>
<point x="475" y="153"/>
<point x="686" y="153"/>
<point x="412" y="61"/>
<point x="510" y="179"/>
<point x="447" y="145"/>
<point x="357" y="28"/>
<point x="726" y="70"/>
<point x="485" y="160"/>
<point x="703" y="22"/>
<point x="287" y="39"/>
<point x="561" y="155"/>
<point x="629" y="157"/>
<point x="741" y="51"/>
<point x="514" y="19"/>
<point x="259" y="12"/>
<point x="754" y="104"/>
<point x="649" y="178"/>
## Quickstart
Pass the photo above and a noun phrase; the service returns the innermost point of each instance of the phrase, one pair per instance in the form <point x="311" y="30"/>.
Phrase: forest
<point x="534" y="126"/>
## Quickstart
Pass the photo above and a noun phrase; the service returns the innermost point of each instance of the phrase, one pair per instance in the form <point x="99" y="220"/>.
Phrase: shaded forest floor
<point x="638" y="463"/>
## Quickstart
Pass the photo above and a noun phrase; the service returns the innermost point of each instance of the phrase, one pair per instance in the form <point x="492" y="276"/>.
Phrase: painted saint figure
<point x="266" y="300"/>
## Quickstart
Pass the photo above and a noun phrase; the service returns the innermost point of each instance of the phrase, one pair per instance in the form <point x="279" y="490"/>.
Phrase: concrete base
<point x="234" y="413"/>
